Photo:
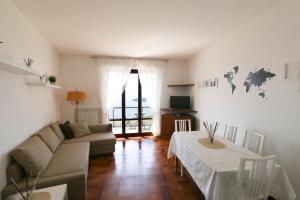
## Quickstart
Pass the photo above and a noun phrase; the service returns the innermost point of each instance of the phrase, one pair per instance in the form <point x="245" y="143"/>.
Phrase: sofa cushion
<point x="50" y="138"/>
<point x="80" y="129"/>
<point x="94" y="139"/>
<point x="68" y="158"/>
<point x="101" y="128"/>
<point x="33" y="155"/>
<point x="66" y="130"/>
<point x="55" y="127"/>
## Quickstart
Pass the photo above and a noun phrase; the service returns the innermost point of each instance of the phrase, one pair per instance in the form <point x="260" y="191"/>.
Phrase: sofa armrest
<point x="101" y="128"/>
<point x="15" y="171"/>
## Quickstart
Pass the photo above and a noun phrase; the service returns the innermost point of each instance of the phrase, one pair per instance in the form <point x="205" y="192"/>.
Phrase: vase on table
<point x="211" y="129"/>
<point x="211" y="137"/>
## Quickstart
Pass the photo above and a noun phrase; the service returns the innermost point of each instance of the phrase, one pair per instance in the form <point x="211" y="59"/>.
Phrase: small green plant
<point x="52" y="79"/>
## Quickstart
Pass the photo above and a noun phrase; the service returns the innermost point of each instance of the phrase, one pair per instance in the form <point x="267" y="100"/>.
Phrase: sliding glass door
<point x="132" y="104"/>
<point x="132" y="116"/>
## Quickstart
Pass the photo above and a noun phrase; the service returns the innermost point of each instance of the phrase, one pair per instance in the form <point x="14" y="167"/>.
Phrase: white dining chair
<point x="230" y="133"/>
<point x="253" y="141"/>
<point x="255" y="177"/>
<point x="182" y="125"/>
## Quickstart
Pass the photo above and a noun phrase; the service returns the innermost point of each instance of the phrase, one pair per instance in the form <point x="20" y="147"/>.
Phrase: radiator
<point x="89" y="115"/>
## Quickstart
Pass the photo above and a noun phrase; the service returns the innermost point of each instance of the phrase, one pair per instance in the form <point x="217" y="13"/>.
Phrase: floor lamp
<point x="76" y="98"/>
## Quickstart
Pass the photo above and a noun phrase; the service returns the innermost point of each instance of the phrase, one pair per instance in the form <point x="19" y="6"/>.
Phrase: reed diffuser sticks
<point x="211" y="129"/>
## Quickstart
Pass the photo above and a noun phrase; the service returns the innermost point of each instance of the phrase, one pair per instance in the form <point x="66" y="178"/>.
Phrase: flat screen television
<point x="180" y="102"/>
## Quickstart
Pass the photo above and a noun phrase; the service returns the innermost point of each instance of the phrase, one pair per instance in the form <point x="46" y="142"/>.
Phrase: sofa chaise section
<point x="102" y="140"/>
<point x="69" y="165"/>
<point x="60" y="160"/>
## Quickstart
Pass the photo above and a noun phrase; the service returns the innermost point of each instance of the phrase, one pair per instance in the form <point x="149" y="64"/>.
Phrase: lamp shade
<point x="76" y="96"/>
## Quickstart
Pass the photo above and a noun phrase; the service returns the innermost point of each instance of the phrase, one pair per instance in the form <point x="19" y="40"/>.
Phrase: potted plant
<point x="52" y="80"/>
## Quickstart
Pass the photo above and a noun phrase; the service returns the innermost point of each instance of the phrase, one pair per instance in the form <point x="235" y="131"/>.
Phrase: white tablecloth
<point x="215" y="170"/>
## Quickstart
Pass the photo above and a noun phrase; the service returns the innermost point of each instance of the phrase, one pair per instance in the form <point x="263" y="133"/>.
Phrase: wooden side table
<point x="58" y="192"/>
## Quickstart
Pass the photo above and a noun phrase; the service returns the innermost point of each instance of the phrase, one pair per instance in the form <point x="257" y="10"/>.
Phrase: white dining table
<point x="215" y="170"/>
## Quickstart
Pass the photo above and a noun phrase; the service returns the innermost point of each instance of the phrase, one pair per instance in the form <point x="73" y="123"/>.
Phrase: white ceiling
<point x="138" y="28"/>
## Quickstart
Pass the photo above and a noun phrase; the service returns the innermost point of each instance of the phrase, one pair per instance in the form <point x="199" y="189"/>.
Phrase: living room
<point x="98" y="98"/>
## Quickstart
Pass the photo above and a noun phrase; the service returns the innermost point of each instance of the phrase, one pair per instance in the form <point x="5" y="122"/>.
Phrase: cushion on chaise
<point x="101" y="128"/>
<point x="80" y="129"/>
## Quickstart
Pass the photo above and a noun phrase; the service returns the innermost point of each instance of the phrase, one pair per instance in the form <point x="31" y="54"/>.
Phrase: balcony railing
<point x="131" y="121"/>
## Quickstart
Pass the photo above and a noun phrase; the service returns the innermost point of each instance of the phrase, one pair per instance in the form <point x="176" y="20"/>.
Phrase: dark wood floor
<point x="139" y="170"/>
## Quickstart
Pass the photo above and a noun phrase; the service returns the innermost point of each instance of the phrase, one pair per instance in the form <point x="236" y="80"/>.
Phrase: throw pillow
<point x="55" y="127"/>
<point x="80" y="129"/>
<point x="33" y="155"/>
<point x="66" y="129"/>
<point x="50" y="138"/>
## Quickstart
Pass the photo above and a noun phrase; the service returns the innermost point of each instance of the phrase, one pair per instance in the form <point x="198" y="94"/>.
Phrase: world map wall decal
<point x="255" y="79"/>
<point x="230" y="78"/>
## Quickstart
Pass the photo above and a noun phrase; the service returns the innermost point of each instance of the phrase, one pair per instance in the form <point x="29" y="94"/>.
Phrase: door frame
<point x="139" y="133"/>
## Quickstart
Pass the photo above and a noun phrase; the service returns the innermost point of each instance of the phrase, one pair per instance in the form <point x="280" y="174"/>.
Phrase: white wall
<point x="176" y="72"/>
<point x="80" y="72"/>
<point x="23" y="109"/>
<point x="269" y="41"/>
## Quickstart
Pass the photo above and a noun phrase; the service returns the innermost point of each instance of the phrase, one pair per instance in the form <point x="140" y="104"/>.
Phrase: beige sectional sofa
<point x="59" y="160"/>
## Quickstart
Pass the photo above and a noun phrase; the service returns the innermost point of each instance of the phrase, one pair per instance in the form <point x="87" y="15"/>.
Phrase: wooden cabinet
<point x="168" y="123"/>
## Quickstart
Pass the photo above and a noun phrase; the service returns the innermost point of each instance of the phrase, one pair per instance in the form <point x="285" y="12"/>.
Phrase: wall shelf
<point x="41" y="84"/>
<point x="8" y="66"/>
<point x="181" y="85"/>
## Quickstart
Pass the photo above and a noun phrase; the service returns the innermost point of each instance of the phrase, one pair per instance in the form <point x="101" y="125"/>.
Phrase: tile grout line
<point x="164" y="185"/>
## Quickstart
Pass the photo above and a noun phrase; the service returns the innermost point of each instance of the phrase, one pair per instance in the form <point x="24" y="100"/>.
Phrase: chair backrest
<point x="183" y="125"/>
<point x="230" y="133"/>
<point x="255" y="177"/>
<point x="253" y="141"/>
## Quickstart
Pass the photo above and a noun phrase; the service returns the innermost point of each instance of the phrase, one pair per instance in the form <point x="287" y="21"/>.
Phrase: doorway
<point x="132" y="116"/>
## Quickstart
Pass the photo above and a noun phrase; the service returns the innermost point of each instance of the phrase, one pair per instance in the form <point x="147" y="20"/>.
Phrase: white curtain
<point x="151" y="74"/>
<point x="113" y="75"/>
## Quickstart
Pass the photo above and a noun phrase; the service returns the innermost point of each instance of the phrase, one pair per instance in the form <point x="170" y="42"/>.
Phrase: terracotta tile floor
<point x="138" y="170"/>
